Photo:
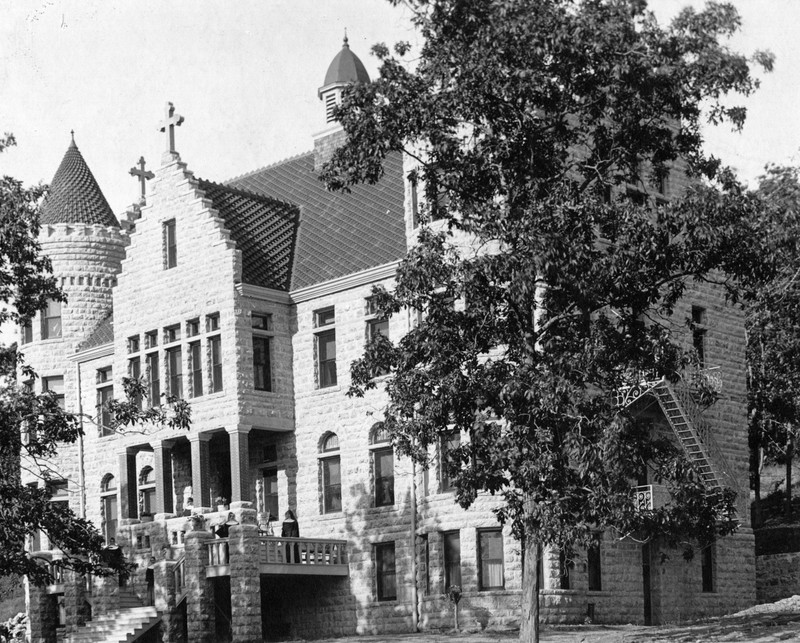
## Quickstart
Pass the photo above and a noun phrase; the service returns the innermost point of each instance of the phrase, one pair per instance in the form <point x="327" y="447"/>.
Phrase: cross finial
<point x="168" y="125"/>
<point x="142" y="174"/>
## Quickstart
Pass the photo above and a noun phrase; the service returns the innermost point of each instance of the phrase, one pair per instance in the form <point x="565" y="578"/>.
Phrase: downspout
<point x="81" y="468"/>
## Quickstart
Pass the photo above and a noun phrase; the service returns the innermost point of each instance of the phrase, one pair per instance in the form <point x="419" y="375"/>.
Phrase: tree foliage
<point x="33" y="427"/>
<point x="773" y="332"/>
<point x="540" y="283"/>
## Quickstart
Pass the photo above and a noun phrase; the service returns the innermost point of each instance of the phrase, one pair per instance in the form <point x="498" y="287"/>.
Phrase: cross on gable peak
<point x="142" y="174"/>
<point x="171" y="120"/>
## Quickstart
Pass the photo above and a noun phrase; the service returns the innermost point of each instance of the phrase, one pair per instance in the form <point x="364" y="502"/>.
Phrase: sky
<point x="245" y="76"/>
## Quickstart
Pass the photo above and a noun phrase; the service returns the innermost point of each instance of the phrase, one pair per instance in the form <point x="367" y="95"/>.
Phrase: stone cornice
<point x="263" y="294"/>
<point x="347" y="282"/>
<point x="106" y="350"/>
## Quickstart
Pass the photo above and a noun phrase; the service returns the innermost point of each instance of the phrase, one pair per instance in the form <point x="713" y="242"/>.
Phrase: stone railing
<point x="302" y="551"/>
<point x="218" y="552"/>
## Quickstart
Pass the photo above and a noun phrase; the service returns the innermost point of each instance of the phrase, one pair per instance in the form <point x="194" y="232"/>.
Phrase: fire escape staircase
<point x="685" y="416"/>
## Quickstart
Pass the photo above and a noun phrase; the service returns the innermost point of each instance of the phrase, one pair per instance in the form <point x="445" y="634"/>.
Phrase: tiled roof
<point x="264" y="230"/>
<point x="102" y="334"/>
<point x="340" y="234"/>
<point x="74" y="196"/>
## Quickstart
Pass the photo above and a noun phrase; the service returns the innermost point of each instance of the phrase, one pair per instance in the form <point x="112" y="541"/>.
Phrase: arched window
<point x="330" y="474"/>
<point x="147" y="490"/>
<point x="108" y="498"/>
<point x="382" y="456"/>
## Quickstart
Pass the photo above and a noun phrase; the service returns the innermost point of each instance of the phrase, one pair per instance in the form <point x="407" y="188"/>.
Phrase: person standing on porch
<point x="291" y="529"/>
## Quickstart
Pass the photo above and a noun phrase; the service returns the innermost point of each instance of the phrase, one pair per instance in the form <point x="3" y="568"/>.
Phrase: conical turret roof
<point x="74" y="196"/>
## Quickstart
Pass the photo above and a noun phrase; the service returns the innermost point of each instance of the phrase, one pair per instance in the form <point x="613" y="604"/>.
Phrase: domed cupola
<point x="346" y="68"/>
<point x="74" y="196"/>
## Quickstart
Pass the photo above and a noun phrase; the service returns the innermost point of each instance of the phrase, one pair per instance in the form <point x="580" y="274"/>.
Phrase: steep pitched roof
<point x="101" y="335"/>
<point x="345" y="68"/>
<point x="340" y="234"/>
<point x="74" y="196"/>
<point x="264" y="230"/>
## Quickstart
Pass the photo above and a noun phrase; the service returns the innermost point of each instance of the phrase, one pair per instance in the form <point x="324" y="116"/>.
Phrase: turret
<point x="82" y="238"/>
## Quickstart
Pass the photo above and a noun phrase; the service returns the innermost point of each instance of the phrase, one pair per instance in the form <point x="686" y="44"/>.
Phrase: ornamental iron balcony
<point x="649" y="497"/>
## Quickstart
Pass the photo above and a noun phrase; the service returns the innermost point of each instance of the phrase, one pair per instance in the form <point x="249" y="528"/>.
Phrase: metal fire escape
<point x="685" y="416"/>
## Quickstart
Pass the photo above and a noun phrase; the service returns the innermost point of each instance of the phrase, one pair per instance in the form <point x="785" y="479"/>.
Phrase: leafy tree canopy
<point x="540" y="284"/>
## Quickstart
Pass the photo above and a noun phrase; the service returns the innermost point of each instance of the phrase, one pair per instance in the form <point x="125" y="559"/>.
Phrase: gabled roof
<point x="264" y="230"/>
<point x="101" y="335"/>
<point x="340" y="234"/>
<point x="74" y="196"/>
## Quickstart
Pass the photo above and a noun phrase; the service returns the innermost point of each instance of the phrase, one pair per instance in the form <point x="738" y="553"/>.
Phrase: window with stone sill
<point x="151" y="339"/>
<point x="490" y="559"/>
<point x="386" y="571"/>
<point x="193" y="327"/>
<point x="330" y="474"/>
<point x="51" y="320"/>
<point x="174" y="359"/>
<point x="707" y="568"/>
<point x="325" y="347"/>
<point x="382" y="457"/>
<point x="195" y="370"/>
<point x="55" y="385"/>
<point x="170" y="245"/>
<point x="215" y="363"/>
<point x="105" y="393"/>
<point x="135" y="372"/>
<point x="26" y="333"/>
<point x="172" y="334"/>
<point x="154" y="379"/>
<point x="212" y="322"/>
<point x="133" y="344"/>
<point x="261" y="323"/>
<point x="147" y="490"/>
<point x="447" y="444"/>
<point x="451" y="541"/>
<point x="108" y="499"/>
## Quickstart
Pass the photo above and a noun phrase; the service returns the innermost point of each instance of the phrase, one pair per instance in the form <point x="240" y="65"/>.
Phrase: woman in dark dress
<point x="291" y="529"/>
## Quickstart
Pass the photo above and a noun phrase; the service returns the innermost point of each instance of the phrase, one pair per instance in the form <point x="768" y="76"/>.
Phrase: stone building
<point x="250" y="298"/>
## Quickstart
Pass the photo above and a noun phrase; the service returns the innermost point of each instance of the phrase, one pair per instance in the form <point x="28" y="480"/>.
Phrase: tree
<point x="544" y="274"/>
<point x="33" y="426"/>
<point x="773" y="337"/>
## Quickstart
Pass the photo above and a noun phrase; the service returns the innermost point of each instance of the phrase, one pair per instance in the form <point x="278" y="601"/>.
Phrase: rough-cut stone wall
<point x="777" y="576"/>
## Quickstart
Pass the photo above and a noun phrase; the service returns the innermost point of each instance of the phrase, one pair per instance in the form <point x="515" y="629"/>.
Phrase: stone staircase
<point x="125" y="625"/>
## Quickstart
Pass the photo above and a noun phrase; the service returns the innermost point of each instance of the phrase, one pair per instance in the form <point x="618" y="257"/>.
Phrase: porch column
<point x="128" y="502"/>
<point x="239" y="438"/>
<point x="162" y="467"/>
<point x="200" y="613"/>
<point x="201" y="477"/>
<point x="245" y="550"/>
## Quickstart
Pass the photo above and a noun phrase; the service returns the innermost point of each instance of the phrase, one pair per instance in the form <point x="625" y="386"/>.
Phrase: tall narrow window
<point x="331" y="474"/>
<point x="154" y="379"/>
<point x="699" y="334"/>
<point x="490" y="559"/>
<point x="55" y="385"/>
<point x="215" y="358"/>
<point x="135" y="372"/>
<point x="59" y="494"/>
<point x="426" y="554"/>
<point x="452" y="559"/>
<point x="412" y="181"/>
<point x="147" y="491"/>
<point x="271" y="493"/>
<point x="382" y="465"/>
<point x="51" y="320"/>
<point x="175" y="366"/>
<point x="325" y="345"/>
<point x="564" y="564"/>
<point x="594" y="568"/>
<point x="170" y="245"/>
<point x="195" y="370"/>
<point x="448" y="444"/>
<point x="261" y="324"/>
<point x="105" y="393"/>
<point x="151" y="339"/>
<point x="26" y="332"/>
<point x="108" y="496"/>
<point x="386" y="571"/>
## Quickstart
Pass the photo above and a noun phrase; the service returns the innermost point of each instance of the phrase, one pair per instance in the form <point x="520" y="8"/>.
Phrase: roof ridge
<point x="247" y="193"/>
<point x="269" y="166"/>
